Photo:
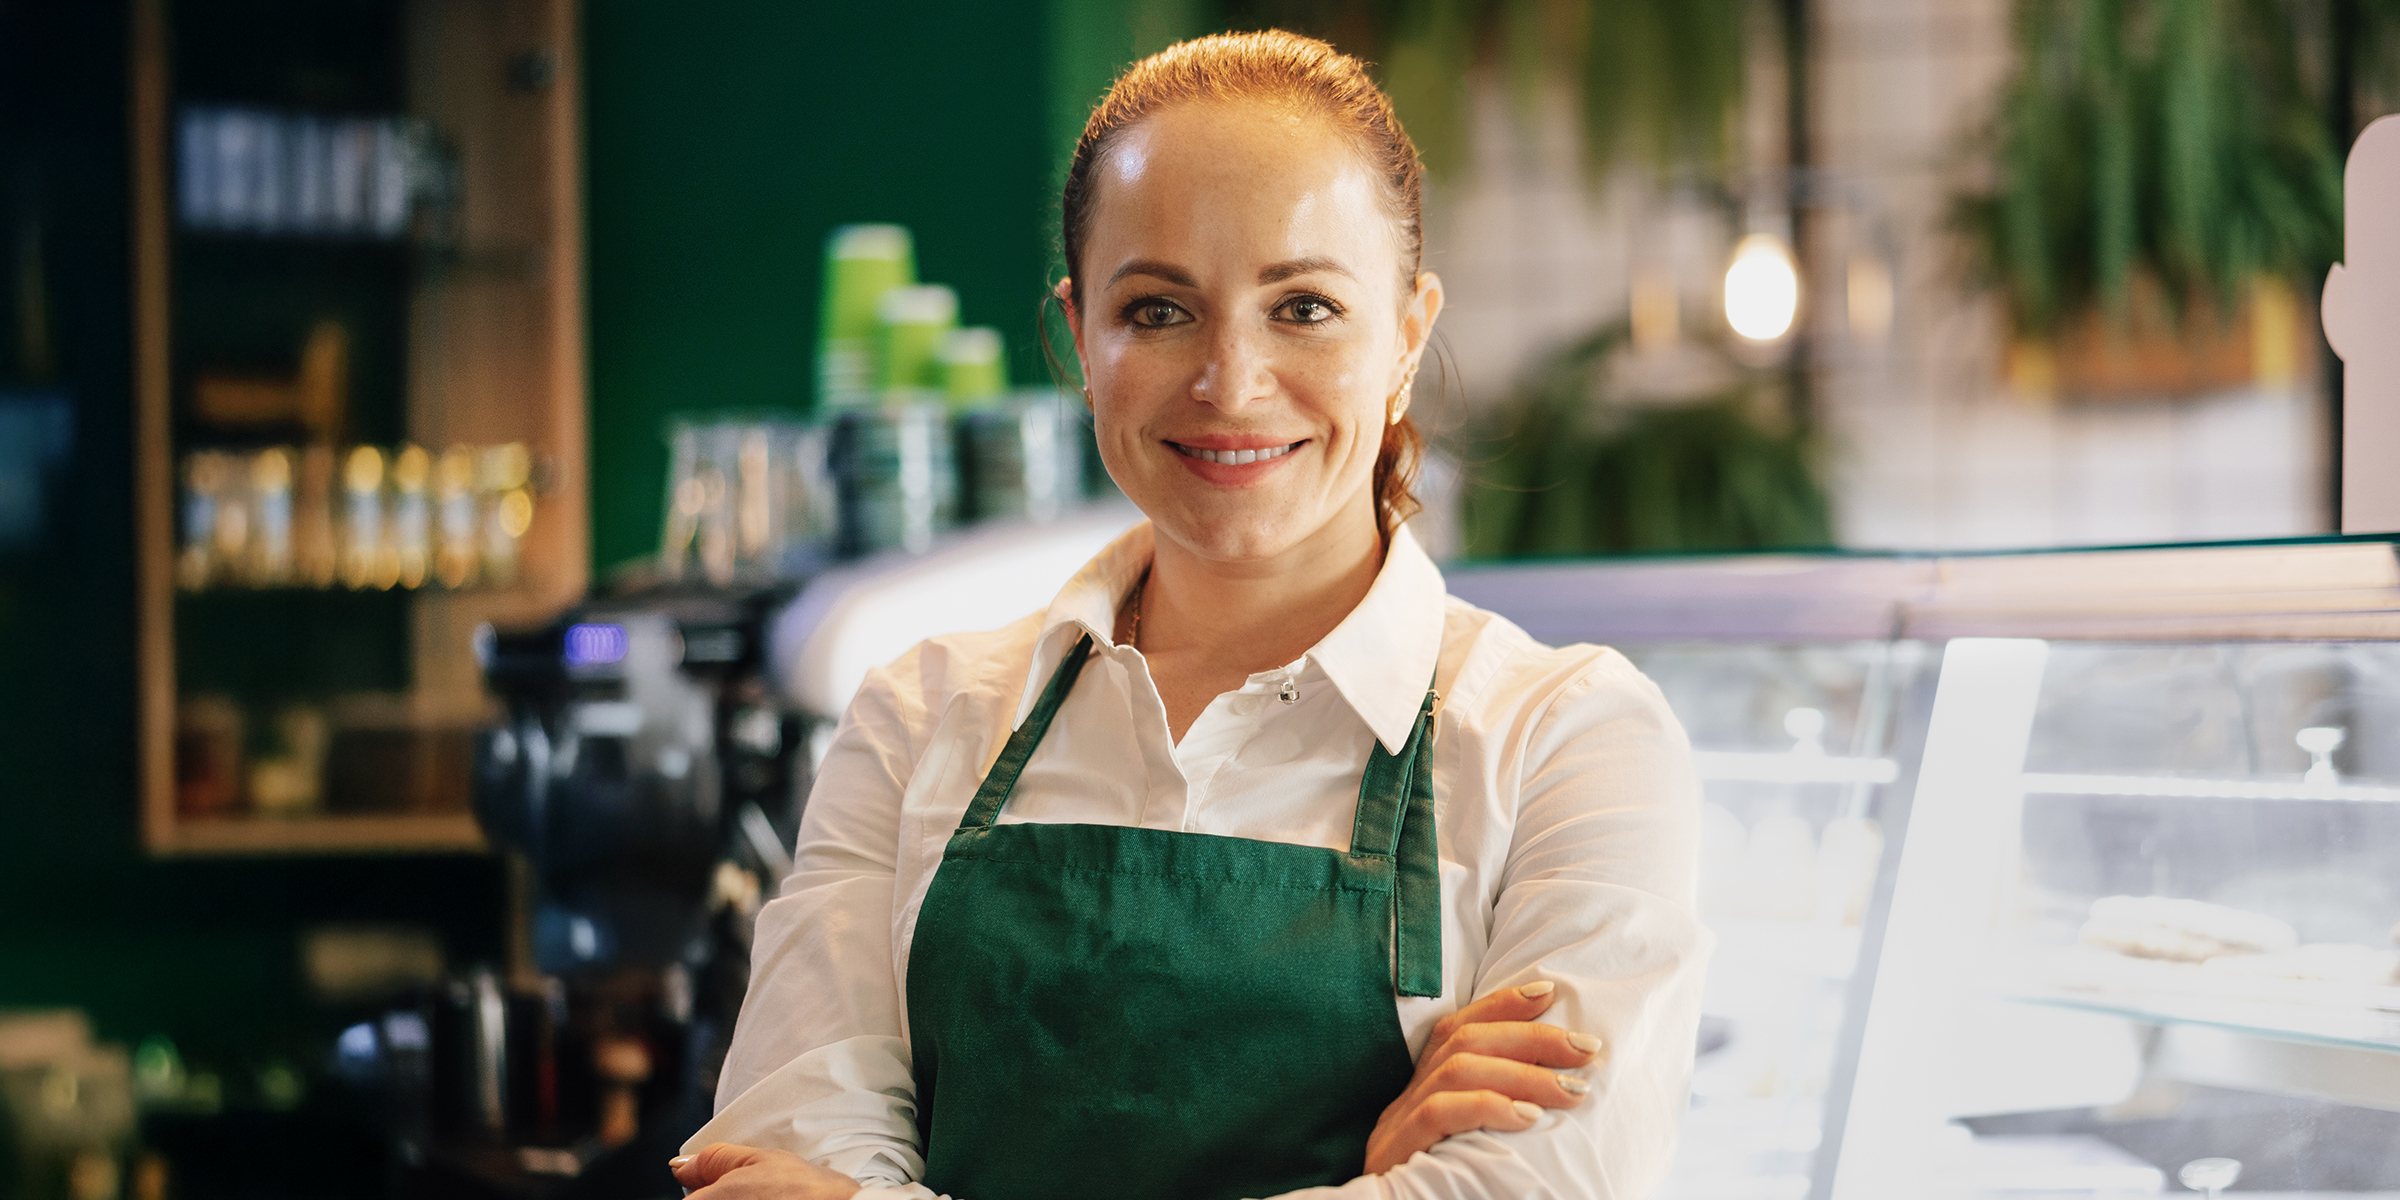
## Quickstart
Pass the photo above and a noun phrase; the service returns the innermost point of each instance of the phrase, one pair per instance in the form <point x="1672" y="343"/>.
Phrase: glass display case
<point x="1801" y="760"/>
<point x="2046" y="875"/>
<point x="1806" y="718"/>
<point x="2141" y="935"/>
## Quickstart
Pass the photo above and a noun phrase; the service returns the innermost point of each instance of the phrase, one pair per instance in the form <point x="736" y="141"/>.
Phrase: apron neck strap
<point x="1384" y="791"/>
<point x="1002" y="780"/>
<point x="1395" y="821"/>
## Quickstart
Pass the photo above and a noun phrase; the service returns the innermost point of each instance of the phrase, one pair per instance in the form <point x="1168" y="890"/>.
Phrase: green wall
<point x="723" y="141"/>
<point x="1089" y="41"/>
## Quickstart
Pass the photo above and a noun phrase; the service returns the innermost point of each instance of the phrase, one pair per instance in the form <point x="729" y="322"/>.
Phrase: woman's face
<point x="1243" y="329"/>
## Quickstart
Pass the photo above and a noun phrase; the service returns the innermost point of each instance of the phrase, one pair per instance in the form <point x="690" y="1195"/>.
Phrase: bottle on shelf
<point x="285" y="516"/>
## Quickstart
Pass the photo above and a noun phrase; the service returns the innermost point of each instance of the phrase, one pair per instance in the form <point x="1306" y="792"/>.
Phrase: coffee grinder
<point x="649" y="781"/>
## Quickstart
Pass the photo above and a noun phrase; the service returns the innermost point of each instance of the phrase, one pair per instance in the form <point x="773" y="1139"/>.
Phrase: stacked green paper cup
<point x="973" y="370"/>
<point x="911" y="325"/>
<point x="863" y="263"/>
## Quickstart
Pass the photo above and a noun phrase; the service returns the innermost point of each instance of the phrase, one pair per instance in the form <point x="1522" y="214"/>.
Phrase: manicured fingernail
<point x="1573" y="1085"/>
<point x="1584" y="1042"/>
<point x="676" y="1163"/>
<point x="1535" y="991"/>
<point x="1529" y="1110"/>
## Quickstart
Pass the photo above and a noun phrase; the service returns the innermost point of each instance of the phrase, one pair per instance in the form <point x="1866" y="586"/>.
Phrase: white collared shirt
<point x="1564" y="798"/>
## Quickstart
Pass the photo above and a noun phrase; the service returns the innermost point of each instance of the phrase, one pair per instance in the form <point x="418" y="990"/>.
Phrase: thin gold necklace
<point x="1133" y="629"/>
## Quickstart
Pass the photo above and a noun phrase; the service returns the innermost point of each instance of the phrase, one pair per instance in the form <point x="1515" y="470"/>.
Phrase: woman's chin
<point x="1247" y="529"/>
<point x="1252" y="526"/>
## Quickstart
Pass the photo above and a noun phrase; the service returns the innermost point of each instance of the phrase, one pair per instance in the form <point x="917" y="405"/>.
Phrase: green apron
<point x="1111" y="1012"/>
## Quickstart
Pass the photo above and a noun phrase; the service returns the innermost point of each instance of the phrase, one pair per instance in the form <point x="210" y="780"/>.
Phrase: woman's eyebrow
<point x="1152" y="267"/>
<point x="1278" y="272"/>
<point x="1272" y="273"/>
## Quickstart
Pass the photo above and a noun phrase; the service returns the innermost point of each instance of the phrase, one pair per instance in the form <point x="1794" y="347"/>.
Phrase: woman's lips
<point x="1235" y="458"/>
<point x="1233" y="466"/>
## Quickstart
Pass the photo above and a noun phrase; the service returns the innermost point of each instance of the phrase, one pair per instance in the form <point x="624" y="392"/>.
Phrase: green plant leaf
<point x="1566" y="467"/>
<point x="2177" y="140"/>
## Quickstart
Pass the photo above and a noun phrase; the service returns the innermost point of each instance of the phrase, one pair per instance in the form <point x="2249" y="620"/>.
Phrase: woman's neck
<point x="1207" y="625"/>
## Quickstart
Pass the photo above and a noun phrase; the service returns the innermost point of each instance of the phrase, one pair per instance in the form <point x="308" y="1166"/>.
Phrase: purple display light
<point x="594" y="645"/>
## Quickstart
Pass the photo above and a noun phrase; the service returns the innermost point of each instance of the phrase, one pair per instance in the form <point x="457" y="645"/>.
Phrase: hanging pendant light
<point x="1762" y="288"/>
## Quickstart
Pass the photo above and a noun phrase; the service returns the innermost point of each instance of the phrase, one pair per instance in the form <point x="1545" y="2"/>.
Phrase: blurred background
<point x="458" y="456"/>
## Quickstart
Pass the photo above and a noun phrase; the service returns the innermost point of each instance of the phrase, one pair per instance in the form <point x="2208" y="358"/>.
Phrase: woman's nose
<point x="1236" y="372"/>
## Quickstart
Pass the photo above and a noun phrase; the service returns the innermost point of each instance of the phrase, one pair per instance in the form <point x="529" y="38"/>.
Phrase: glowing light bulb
<point x="1762" y="288"/>
<point x="1870" y="296"/>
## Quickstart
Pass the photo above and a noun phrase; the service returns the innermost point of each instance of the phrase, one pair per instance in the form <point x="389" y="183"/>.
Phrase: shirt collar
<point x="1087" y="604"/>
<point x="1382" y="655"/>
<point x="1380" y="658"/>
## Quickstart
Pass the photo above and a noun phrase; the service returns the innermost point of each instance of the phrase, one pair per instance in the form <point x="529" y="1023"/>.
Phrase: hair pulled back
<point x="1299" y="74"/>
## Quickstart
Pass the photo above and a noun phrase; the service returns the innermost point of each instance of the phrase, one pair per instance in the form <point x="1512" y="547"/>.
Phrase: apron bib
<point x="1109" y="1012"/>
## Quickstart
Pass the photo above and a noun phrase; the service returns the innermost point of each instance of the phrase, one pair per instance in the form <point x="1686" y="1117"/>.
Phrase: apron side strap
<point x="1002" y="781"/>
<point x="1417" y="896"/>
<point x="1376" y="828"/>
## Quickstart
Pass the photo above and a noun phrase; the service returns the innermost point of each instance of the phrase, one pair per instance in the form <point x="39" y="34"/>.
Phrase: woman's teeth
<point x="1235" y="458"/>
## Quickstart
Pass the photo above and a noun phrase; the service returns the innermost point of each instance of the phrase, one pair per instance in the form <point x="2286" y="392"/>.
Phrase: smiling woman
<point x="1318" y="878"/>
<point x="1347" y="210"/>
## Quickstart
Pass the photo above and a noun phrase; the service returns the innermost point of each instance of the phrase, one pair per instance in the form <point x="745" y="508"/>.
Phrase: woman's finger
<point x="1515" y="1080"/>
<point x="1521" y="1003"/>
<point x="1446" y="1113"/>
<point x="1416" y="1124"/>
<point x="712" y="1163"/>
<point x="1526" y="1042"/>
<point x="1490" y="1065"/>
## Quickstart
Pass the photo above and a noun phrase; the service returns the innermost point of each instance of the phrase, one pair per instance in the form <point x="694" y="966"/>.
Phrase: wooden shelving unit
<point x="361" y="833"/>
<point x="492" y="353"/>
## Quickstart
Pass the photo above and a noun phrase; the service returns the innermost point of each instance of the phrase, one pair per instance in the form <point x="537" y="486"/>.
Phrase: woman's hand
<point x="1487" y="1066"/>
<point x="724" y="1171"/>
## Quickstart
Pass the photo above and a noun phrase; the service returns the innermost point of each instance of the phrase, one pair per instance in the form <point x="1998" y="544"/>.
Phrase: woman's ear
<point x="1416" y="322"/>
<point x="1064" y="293"/>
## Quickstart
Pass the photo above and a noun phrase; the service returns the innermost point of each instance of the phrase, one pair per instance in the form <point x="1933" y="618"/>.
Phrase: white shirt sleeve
<point x="825" y="1073"/>
<point x="1597" y="897"/>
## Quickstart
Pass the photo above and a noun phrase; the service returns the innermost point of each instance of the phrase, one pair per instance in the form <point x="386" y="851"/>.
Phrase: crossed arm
<point x="1489" y="1065"/>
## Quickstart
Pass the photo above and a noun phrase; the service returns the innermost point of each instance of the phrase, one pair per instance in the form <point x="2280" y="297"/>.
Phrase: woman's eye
<point x="1309" y="310"/>
<point x="1155" y="313"/>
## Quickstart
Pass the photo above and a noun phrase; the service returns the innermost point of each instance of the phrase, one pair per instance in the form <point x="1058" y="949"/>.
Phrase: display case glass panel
<point x="1801" y="749"/>
<point x="2141" y="932"/>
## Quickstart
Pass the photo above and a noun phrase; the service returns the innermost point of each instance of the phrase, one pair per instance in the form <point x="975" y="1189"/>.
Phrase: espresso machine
<point x="641" y="749"/>
<point x="648" y="781"/>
